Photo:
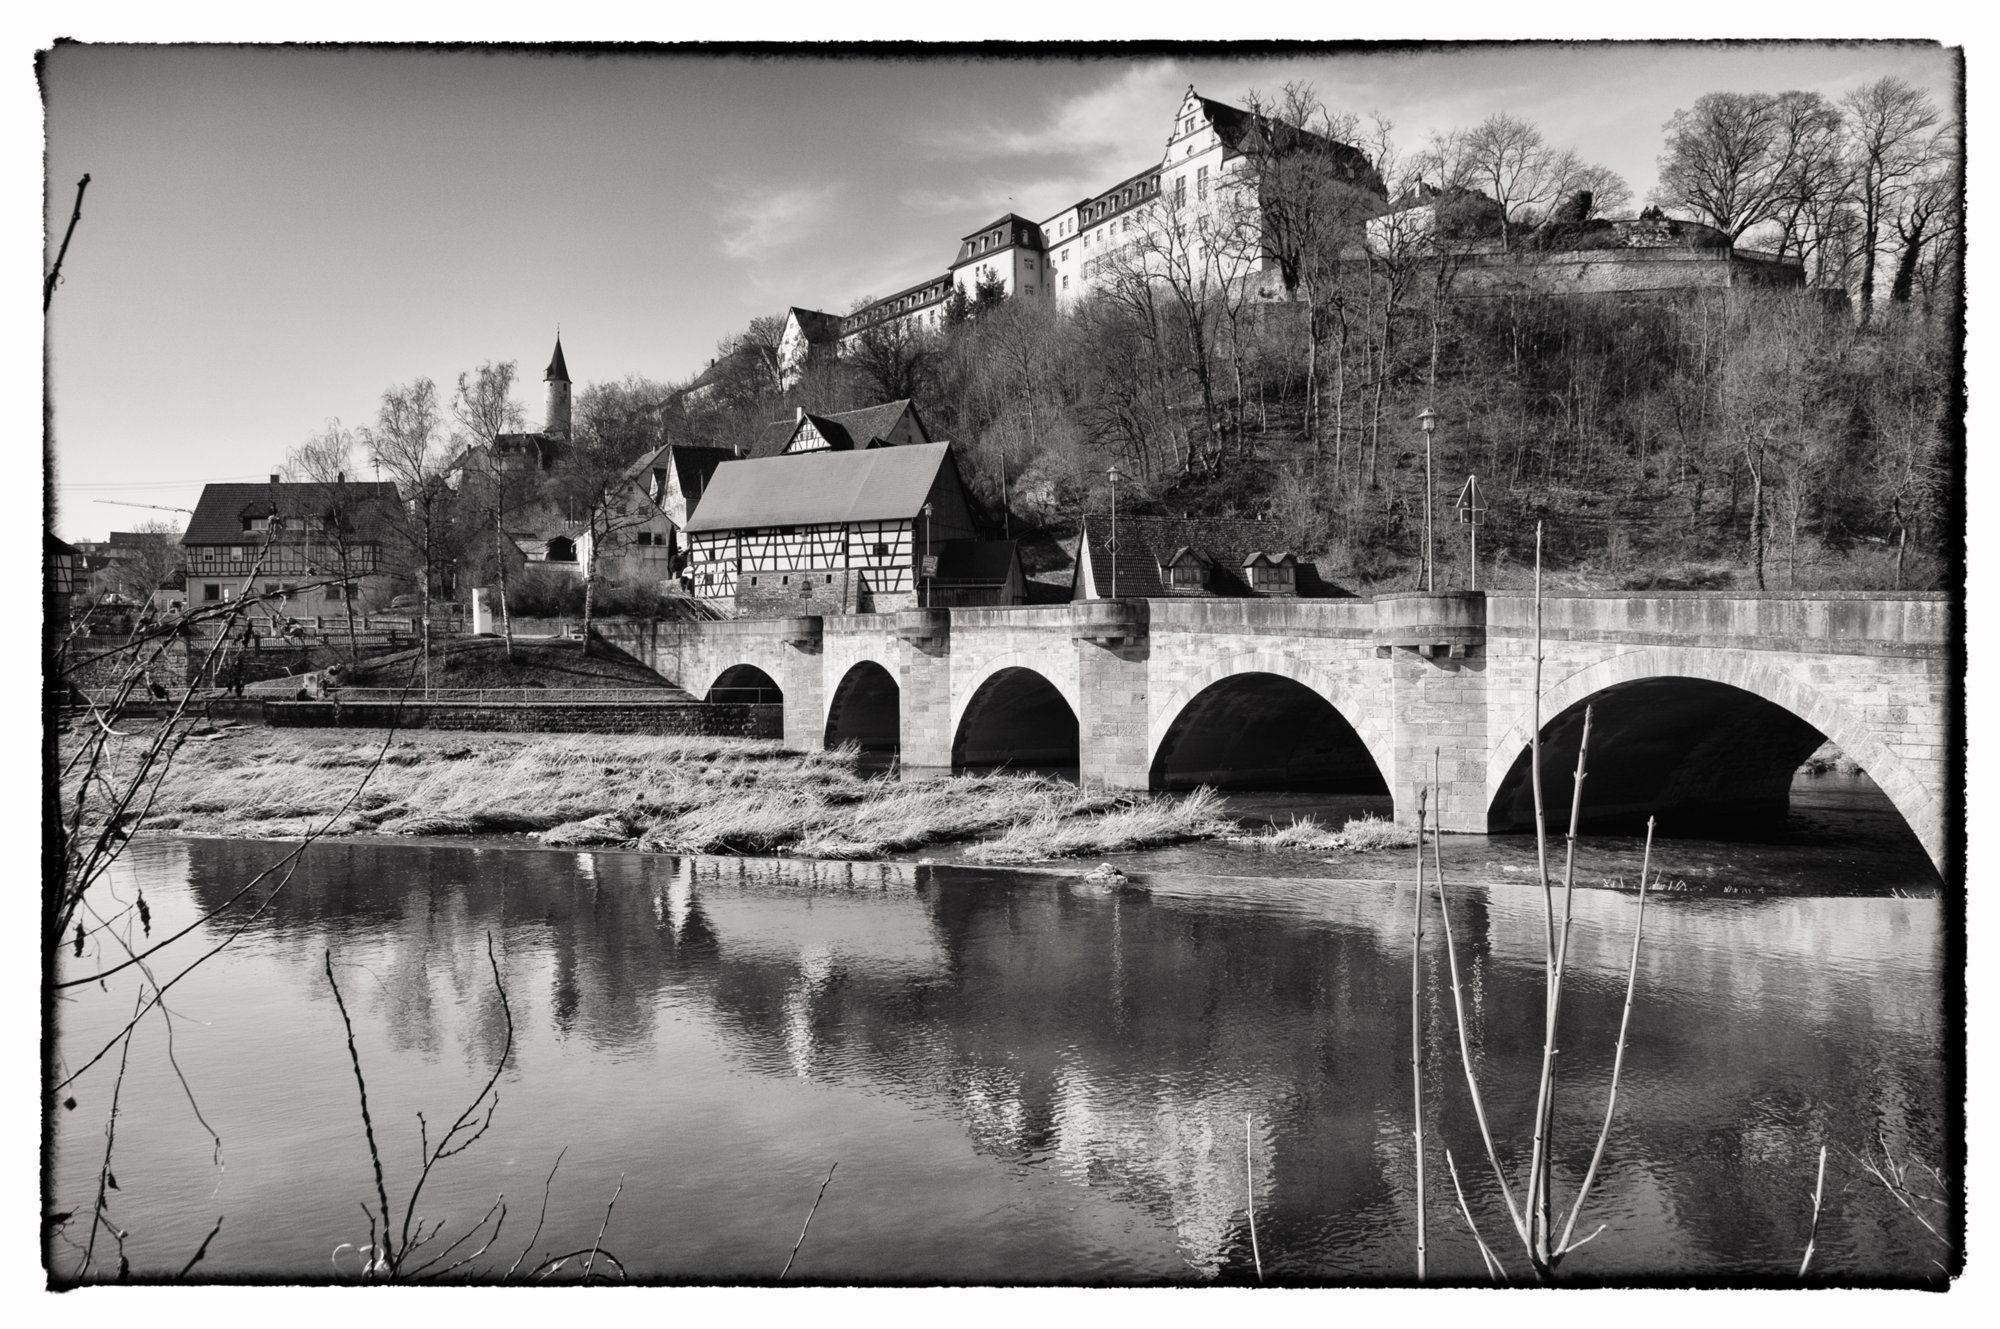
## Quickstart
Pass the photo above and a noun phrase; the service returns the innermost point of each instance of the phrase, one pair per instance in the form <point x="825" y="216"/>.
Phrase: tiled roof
<point x="692" y="466"/>
<point x="846" y="431"/>
<point x="218" y="515"/>
<point x="1146" y="545"/>
<point x="811" y="488"/>
<point x="817" y="325"/>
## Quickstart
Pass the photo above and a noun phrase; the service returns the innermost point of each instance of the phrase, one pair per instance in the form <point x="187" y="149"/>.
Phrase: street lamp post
<point x="1112" y="549"/>
<point x="925" y="568"/>
<point x="1428" y="423"/>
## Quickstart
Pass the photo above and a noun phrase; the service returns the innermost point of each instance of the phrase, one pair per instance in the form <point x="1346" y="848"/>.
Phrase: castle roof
<point x="816" y="325"/>
<point x="817" y="488"/>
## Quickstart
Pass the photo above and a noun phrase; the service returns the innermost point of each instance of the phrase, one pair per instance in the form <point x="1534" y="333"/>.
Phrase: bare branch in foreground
<point x="808" y="1223"/>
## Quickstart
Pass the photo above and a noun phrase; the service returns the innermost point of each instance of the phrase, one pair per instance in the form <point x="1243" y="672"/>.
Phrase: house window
<point x="210" y="591"/>
<point x="881" y="550"/>
<point x="1028" y="289"/>
<point x="1065" y="254"/>
<point x="1065" y="281"/>
<point x="1180" y="191"/>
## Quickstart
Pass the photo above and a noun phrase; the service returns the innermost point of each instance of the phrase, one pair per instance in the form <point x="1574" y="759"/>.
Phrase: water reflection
<point x="1026" y="1080"/>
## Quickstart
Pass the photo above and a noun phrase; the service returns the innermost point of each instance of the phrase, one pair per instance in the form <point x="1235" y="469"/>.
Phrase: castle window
<point x="1201" y="182"/>
<point x="1180" y="191"/>
<point x="1065" y="281"/>
<point x="1065" y="254"/>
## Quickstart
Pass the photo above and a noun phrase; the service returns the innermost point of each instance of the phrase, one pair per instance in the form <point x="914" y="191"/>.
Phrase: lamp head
<point x="1428" y="420"/>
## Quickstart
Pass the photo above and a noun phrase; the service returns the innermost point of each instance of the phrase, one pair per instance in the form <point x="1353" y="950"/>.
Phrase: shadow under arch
<point x="1017" y="720"/>
<point x="747" y="683"/>
<point x="1707" y="758"/>
<point x="1719" y="699"/>
<point x="866" y="710"/>
<point x="1257" y="730"/>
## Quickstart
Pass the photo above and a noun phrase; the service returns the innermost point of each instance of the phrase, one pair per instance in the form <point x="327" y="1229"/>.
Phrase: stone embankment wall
<point x="686" y="719"/>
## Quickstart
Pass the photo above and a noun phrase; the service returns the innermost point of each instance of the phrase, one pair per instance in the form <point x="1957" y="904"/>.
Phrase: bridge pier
<point x="1113" y="652"/>
<point x="1436" y="648"/>
<point x="925" y="678"/>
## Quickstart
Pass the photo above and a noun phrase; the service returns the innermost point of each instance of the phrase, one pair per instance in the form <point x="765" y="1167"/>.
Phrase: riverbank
<point x="674" y="795"/>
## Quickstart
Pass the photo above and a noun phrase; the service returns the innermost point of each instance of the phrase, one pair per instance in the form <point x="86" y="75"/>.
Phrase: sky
<point x="271" y="237"/>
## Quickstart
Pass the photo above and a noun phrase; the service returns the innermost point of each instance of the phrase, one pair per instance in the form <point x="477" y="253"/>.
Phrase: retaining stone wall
<point x="689" y="719"/>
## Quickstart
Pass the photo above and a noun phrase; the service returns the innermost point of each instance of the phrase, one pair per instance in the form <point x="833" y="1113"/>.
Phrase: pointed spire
<point x="557" y="372"/>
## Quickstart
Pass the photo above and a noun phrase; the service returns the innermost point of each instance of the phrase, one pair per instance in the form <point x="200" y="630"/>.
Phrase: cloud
<point x="1120" y="117"/>
<point x="983" y="199"/>
<point x="753" y="222"/>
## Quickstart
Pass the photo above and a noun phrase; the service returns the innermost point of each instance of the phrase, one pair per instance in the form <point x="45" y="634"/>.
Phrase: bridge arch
<point x="1714" y="681"/>
<point x="865" y="708"/>
<point x="744" y="682"/>
<point x="1352" y="722"/>
<point x="1017" y="717"/>
<point x="1038" y="663"/>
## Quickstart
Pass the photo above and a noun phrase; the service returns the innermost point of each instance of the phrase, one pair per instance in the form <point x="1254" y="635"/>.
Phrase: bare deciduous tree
<point x="322" y="464"/>
<point x="483" y="409"/>
<point x="1892" y="143"/>
<point x="405" y="442"/>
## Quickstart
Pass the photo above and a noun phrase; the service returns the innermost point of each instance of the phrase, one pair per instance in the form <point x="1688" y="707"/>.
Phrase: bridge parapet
<point x="1451" y="624"/>
<point x="1907" y="623"/>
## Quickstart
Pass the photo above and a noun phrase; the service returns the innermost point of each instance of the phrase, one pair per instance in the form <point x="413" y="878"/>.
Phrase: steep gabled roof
<point x="218" y="514"/>
<point x="814" y="488"/>
<point x="817" y="325"/>
<point x="846" y="431"/>
<point x="692" y="467"/>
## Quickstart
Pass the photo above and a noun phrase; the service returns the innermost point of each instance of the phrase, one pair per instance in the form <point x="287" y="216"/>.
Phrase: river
<point x="1021" y="1078"/>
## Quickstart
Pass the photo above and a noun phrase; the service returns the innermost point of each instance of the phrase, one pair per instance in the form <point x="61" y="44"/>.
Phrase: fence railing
<point x="551" y="696"/>
<point x="754" y="696"/>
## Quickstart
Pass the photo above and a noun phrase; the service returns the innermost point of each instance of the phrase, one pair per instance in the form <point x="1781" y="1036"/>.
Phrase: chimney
<point x="800" y="414"/>
<point x="274" y="477"/>
<point x="340" y="477"/>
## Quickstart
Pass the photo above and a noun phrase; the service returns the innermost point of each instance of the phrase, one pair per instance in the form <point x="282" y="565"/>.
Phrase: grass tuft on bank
<point x="678" y="795"/>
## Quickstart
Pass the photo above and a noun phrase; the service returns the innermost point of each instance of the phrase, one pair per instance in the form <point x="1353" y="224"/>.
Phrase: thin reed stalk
<point x="1417" y="1028"/>
<point x="1618" y="1059"/>
<point x="1812" y="1234"/>
<point x="1250" y="1198"/>
<point x="1494" y="1269"/>
<point x="1465" y="1054"/>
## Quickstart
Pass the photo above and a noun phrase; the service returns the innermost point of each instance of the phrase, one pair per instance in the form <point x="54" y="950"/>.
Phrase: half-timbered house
<point x="835" y="531"/>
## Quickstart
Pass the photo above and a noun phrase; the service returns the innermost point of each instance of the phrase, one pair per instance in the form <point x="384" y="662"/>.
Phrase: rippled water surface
<point x="1023" y="1079"/>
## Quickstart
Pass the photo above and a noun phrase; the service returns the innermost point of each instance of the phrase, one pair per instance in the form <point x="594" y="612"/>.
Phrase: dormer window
<point x="1187" y="571"/>
<point x="1272" y="575"/>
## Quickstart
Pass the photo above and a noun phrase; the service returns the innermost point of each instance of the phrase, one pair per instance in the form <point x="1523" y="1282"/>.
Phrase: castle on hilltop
<point x="1062" y="257"/>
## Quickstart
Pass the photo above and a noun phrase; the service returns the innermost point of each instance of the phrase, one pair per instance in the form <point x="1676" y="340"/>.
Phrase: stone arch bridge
<point x="1703" y="702"/>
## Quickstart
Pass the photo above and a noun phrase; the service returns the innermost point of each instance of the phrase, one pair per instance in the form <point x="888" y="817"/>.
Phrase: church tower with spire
<point x="555" y="417"/>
